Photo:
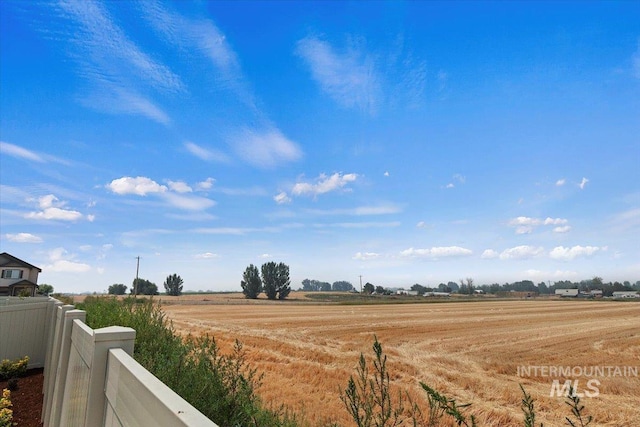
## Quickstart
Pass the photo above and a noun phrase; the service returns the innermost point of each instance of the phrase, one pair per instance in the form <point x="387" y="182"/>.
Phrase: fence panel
<point x="136" y="398"/>
<point x="23" y="329"/>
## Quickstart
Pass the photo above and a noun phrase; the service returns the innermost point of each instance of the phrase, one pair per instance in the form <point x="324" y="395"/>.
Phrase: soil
<point x="27" y="399"/>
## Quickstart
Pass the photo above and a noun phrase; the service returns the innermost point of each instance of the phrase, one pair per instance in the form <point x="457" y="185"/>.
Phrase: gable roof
<point x="9" y="260"/>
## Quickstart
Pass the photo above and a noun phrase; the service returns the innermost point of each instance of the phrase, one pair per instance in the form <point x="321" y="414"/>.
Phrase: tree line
<point x="173" y="285"/>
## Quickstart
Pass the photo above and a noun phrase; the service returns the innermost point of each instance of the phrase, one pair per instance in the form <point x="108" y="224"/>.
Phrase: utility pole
<point x="135" y="284"/>
<point x="360" y="283"/>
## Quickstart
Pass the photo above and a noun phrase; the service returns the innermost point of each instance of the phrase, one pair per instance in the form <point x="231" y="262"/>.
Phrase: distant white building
<point x="567" y="292"/>
<point x="626" y="294"/>
<point x="437" y="294"/>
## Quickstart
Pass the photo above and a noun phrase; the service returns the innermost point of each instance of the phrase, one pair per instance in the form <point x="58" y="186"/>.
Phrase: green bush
<point x="13" y="368"/>
<point x="220" y="386"/>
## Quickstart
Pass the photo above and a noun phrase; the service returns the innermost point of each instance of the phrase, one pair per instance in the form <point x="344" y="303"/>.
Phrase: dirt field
<point x="470" y="351"/>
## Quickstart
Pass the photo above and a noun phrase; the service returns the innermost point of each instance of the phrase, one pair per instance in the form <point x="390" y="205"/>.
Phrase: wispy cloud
<point x="522" y="252"/>
<point x="62" y="261"/>
<point x="567" y="254"/>
<point x="23" y="238"/>
<point x="359" y="211"/>
<point x="348" y="76"/>
<point x="436" y="252"/>
<point x="207" y="154"/>
<point x="323" y="184"/>
<point x="526" y="225"/>
<point x="282" y="198"/>
<point x="560" y="182"/>
<point x="366" y="256"/>
<point x="489" y="254"/>
<point x="179" y="186"/>
<point x="199" y="37"/>
<point x="23" y="153"/>
<point x="266" y="148"/>
<point x="457" y="179"/>
<point x="119" y="76"/>
<point x="583" y="183"/>
<point x="361" y="79"/>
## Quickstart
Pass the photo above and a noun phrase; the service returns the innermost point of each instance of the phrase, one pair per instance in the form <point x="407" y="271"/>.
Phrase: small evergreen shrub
<point x="13" y="368"/>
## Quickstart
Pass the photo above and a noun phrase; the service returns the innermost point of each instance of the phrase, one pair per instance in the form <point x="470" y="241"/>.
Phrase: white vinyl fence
<point x="90" y="378"/>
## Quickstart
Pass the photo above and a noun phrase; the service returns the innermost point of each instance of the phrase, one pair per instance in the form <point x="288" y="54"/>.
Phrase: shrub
<point x="6" y="414"/>
<point x="12" y="369"/>
<point x="220" y="386"/>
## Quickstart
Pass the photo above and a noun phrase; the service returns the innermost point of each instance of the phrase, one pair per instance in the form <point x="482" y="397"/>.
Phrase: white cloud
<point x="421" y="224"/>
<point x="562" y="229"/>
<point x="489" y="254"/>
<point x="522" y="252"/>
<point x="436" y="252"/>
<point x="359" y="211"/>
<point x="207" y="255"/>
<point x="282" y="198"/>
<point x="533" y="274"/>
<point x="526" y="225"/>
<point x="264" y="256"/>
<point x="366" y="256"/>
<point x="62" y="262"/>
<point x="583" y="183"/>
<point x="567" y="254"/>
<point x="119" y="73"/>
<point x="16" y="151"/>
<point x="23" y="238"/>
<point x="179" y="187"/>
<point x="267" y="148"/>
<point x="349" y="77"/>
<point x="206" y="154"/>
<point x="190" y="203"/>
<point x="140" y="186"/>
<point x="324" y="184"/>
<point x="207" y="184"/>
<point x="52" y="209"/>
<point x="386" y="173"/>
<point x="457" y="178"/>
<point x="560" y="182"/>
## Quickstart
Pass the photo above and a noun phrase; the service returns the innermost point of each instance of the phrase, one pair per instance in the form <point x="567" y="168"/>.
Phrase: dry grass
<point x="469" y="351"/>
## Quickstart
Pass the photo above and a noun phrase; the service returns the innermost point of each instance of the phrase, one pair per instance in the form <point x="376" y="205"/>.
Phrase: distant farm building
<point x="567" y="292"/>
<point x="437" y="294"/>
<point x="626" y="294"/>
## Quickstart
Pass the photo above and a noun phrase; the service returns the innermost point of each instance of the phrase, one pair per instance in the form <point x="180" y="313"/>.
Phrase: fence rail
<point x="90" y="376"/>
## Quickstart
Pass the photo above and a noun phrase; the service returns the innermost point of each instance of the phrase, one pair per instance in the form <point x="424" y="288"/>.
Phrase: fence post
<point x="104" y="339"/>
<point x="51" y="366"/>
<point x="52" y="310"/>
<point x="62" y="351"/>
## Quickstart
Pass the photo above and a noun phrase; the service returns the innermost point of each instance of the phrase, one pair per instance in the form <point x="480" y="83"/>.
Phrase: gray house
<point x="17" y="276"/>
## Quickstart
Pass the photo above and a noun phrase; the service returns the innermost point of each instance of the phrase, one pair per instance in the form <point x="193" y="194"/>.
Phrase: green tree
<point x="45" y="289"/>
<point x="284" y="283"/>
<point x="117" y="289"/>
<point x="342" y="286"/>
<point x="144" y="287"/>
<point x="251" y="283"/>
<point x="421" y="290"/>
<point x="275" y="280"/>
<point x="173" y="285"/>
<point x="269" y="279"/>
<point x="368" y="288"/>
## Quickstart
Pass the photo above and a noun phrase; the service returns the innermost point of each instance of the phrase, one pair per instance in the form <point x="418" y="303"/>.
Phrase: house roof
<point x="23" y="282"/>
<point x="8" y="260"/>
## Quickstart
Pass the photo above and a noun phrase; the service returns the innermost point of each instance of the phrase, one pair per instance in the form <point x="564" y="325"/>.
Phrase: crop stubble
<point x="470" y="351"/>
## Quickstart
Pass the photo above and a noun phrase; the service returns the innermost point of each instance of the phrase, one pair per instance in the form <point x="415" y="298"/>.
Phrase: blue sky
<point x="415" y="142"/>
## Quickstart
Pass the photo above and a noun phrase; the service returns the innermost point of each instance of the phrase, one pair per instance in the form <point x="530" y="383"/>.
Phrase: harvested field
<point x="470" y="351"/>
